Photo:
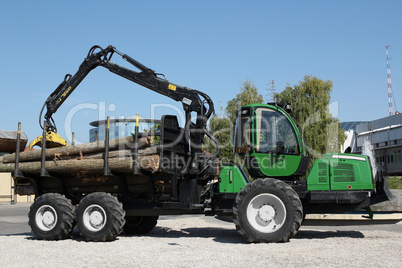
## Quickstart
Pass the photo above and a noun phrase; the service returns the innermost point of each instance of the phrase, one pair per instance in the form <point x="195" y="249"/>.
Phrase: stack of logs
<point x="87" y="157"/>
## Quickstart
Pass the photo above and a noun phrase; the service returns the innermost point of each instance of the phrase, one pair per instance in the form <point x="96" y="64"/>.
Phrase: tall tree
<point x="310" y="101"/>
<point x="248" y="95"/>
<point x="222" y="127"/>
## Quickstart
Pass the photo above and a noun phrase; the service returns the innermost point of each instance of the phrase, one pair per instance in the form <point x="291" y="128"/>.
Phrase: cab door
<point x="278" y="149"/>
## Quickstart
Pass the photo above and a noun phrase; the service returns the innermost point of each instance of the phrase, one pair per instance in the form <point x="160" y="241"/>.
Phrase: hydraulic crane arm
<point x="191" y="99"/>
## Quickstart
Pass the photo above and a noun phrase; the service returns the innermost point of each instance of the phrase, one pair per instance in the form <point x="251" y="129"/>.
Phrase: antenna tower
<point x="270" y="91"/>
<point x="390" y="93"/>
<point x="273" y="89"/>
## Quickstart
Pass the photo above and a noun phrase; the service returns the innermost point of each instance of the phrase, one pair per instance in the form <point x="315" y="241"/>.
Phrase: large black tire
<point x="51" y="217"/>
<point x="139" y="225"/>
<point x="267" y="211"/>
<point x="100" y="217"/>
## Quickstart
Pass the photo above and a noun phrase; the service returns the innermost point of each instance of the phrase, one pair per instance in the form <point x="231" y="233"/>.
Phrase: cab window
<point x="273" y="127"/>
<point x="243" y="131"/>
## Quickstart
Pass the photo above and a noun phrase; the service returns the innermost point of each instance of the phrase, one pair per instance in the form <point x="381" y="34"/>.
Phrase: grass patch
<point x="394" y="183"/>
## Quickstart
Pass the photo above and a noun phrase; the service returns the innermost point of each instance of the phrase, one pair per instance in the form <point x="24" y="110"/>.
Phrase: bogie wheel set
<point x="99" y="217"/>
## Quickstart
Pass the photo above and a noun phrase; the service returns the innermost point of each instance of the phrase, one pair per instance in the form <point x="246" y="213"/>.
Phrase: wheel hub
<point x="266" y="213"/>
<point x="48" y="219"/>
<point x="96" y="219"/>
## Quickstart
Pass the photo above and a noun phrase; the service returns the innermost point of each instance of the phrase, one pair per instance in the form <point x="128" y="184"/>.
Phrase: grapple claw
<point x="52" y="140"/>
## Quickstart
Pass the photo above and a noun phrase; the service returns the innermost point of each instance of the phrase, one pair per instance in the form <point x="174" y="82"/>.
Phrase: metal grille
<point x="322" y="172"/>
<point x="344" y="173"/>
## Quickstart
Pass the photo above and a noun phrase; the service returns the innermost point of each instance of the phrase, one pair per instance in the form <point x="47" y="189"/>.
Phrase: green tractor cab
<point x="267" y="135"/>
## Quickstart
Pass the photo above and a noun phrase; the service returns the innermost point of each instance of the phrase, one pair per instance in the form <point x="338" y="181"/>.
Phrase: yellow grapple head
<point x="52" y="140"/>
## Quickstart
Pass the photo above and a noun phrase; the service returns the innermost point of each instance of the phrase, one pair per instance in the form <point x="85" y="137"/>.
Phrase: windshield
<point x="273" y="127"/>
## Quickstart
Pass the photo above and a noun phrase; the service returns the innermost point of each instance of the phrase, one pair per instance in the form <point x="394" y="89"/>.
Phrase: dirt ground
<point x="198" y="241"/>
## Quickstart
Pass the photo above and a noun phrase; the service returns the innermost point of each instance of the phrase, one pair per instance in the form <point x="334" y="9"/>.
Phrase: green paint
<point x="231" y="179"/>
<point x="270" y="124"/>
<point x="272" y="165"/>
<point x="340" y="172"/>
<point x="271" y="140"/>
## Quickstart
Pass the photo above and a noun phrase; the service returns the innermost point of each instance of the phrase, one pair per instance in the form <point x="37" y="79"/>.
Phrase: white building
<point x="385" y="136"/>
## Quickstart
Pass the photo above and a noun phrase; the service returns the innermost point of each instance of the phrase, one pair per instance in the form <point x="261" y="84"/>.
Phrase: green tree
<point x="310" y="101"/>
<point x="248" y="95"/>
<point x="222" y="127"/>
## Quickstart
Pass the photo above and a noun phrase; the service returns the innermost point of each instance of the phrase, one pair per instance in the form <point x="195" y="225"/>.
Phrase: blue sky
<point x="211" y="46"/>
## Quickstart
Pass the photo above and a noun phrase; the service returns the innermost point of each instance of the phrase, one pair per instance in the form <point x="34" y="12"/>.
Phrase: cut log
<point x="80" y="149"/>
<point x="112" y="154"/>
<point x="149" y="163"/>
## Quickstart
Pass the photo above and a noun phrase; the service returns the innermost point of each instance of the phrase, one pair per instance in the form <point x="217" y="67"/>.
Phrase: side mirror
<point x="280" y="147"/>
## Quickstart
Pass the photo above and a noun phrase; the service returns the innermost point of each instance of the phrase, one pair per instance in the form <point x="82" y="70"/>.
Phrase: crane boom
<point x="191" y="99"/>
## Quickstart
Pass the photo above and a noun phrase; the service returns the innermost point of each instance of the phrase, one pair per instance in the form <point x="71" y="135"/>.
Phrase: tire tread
<point x="63" y="206"/>
<point x="117" y="215"/>
<point x="256" y="186"/>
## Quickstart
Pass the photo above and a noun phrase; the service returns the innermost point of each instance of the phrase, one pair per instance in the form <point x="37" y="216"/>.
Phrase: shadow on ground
<point x="233" y="237"/>
<point x="220" y="235"/>
<point x="347" y="222"/>
<point x="309" y="234"/>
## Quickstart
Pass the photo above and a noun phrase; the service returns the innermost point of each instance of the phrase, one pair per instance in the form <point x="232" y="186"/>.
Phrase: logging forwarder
<point x="187" y="180"/>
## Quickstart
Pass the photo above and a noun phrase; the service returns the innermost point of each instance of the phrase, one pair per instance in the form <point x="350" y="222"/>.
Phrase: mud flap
<point x="382" y="192"/>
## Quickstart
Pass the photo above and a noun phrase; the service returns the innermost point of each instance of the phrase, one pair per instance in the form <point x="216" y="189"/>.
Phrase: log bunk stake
<point x="17" y="172"/>
<point x="106" y="169"/>
<point x="43" y="171"/>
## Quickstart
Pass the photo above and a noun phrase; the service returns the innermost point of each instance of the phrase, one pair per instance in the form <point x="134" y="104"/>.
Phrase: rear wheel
<point x="100" y="217"/>
<point x="267" y="210"/>
<point x="51" y="217"/>
<point x="138" y="225"/>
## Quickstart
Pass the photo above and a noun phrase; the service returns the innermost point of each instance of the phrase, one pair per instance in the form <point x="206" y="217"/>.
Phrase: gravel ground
<point x="198" y="241"/>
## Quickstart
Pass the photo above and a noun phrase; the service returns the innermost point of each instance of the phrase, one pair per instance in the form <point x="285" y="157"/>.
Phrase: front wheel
<point x="267" y="210"/>
<point x="100" y="217"/>
<point x="51" y="217"/>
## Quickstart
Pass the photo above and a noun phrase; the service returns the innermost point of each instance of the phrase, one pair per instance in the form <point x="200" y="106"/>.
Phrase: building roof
<point x="8" y="141"/>
<point x="394" y="120"/>
<point x="351" y="125"/>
